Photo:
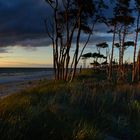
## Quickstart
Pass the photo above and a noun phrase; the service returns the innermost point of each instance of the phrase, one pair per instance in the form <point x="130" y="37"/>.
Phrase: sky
<point x="23" y="41"/>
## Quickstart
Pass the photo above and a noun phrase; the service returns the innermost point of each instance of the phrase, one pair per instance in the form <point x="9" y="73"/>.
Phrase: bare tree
<point x="71" y="19"/>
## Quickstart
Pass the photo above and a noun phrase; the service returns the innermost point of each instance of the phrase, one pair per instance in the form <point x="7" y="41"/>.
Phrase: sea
<point x="18" y="70"/>
<point x="8" y="75"/>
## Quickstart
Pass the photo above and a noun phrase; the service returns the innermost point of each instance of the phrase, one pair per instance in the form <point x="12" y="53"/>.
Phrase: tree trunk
<point x="56" y="45"/>
<point x="122" y="52"/>
<point x="120" y="42"/>
<point x="112" y="54"/>
<point x="77" y="48"/>
<point x="54" y="61"/>
<point x="135" y="46"/>
<point x="138" y="66"/>
<point x="137" y="69"/>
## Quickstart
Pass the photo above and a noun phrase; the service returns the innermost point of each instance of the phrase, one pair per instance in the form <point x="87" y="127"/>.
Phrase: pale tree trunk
<point x="137" y="69"/>
<point x="121" y="53"/>
<point x="138" y="65"/>
<point x="54" y="60"/>
<point x="135" y="47"/>
<point x="120" y="49"/>
<point x="112" y="54"/>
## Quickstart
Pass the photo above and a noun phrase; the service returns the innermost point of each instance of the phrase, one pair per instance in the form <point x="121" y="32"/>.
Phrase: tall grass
<point x="82" y="110"/>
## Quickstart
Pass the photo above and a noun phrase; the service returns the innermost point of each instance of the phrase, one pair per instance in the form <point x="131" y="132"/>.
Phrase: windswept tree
<point x="104" y="46"/>
<point x="124" y="20"/>
<point x="120" y="24"/>
<point x="126" y="45"/>
<point x="71" y="19"/>
<point x="85" y="57"/>
<point x="95" y="55"/>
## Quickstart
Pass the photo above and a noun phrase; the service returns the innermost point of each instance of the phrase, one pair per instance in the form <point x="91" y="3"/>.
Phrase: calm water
<point x="25" y="71"/>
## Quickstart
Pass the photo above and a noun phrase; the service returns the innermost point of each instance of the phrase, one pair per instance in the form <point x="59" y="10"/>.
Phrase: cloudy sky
<point x="23" y="42"/>
<point x="22" y="35"/>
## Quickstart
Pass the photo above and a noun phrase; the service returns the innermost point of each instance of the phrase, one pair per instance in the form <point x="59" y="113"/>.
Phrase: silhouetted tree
<point x="85" y="57"/>
<point x="123" y="20"/>
<point x="71" y="19"/>
<point x="101" y="45"/>
<point x="125" y="45"/>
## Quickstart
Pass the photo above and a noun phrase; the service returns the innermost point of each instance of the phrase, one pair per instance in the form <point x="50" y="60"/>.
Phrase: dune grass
<point x="82" y="110"/>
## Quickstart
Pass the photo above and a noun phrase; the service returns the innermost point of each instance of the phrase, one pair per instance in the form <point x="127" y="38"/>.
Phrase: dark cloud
<point x="32" y="40"/>
<point x="22" y="23"/>
<point x="22" y="19"/>
<point x="36" y="42"/>
<point x="22" y="16"/>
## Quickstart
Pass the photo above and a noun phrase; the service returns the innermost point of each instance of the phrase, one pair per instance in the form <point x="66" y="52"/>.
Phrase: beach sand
<point x="18" y="83"/>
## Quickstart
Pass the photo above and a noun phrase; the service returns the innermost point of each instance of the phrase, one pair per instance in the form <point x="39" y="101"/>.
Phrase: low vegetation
<point x="88" y="109"/>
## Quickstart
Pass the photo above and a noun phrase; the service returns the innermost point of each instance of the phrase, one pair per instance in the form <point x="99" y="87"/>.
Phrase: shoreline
<point x="15" y="86"/>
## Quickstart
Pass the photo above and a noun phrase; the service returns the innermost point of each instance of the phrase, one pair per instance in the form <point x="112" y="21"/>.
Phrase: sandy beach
<point x="16" y="83"/>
